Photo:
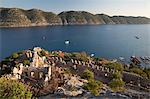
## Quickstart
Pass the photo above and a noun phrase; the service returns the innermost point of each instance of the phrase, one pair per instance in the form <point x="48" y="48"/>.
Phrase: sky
<point x="110" y="7"/>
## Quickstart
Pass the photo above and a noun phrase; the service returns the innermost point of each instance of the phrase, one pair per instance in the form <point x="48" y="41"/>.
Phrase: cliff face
<point x="15" y="17"/>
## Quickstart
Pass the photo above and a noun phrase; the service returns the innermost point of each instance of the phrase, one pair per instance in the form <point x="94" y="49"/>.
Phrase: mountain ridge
<point x="16" y="17"/>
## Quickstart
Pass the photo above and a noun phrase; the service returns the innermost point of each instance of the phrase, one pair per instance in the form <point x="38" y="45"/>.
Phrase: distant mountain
<point x="15" y="17"/>
<point x="82" y="17"/>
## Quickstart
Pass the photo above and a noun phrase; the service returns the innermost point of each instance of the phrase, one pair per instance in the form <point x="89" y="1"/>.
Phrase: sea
<point x="105" y="41"/>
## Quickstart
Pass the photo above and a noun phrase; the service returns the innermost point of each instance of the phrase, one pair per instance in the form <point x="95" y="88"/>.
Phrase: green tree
<point x="116" y="66"/>
<point x="80" y="56"/>
<point x="26" y="62"/>
<point x="136" y="70"/>
<point x="147" y="71"/>
<point x="12" y="89"/>
<point x="139" y="72"/>
<point x="117" y="75"/>
<point x="94" y="87"/>
<point x="15" y="55"/>
<point x="117" y="84"/>
<point x="87" y="75"/>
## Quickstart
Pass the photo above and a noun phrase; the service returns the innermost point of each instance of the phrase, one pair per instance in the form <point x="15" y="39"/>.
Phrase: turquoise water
<point x="108" y="41"/>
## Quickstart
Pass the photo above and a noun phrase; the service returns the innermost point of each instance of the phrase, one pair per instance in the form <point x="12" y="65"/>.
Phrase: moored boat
<point x="67" y="42"/>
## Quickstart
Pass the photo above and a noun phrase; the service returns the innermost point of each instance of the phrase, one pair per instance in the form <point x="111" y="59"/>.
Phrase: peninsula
<point x="16" y="17"/>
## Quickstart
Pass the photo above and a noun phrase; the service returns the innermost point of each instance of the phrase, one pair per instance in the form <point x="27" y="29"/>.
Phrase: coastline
<point x="16" y="17"/>
<point x="69" y="69"/>
<point x="45" y="25"/>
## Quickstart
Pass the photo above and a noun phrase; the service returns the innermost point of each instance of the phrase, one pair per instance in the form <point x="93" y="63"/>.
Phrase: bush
<point x="54" y="53"/>
<point x="116" y="66"/>
<point x="94" y="87"/>
<point x="15" y="55"/>
<point x="139" y="72"/>
<point x="117" y="75"/>
<point x="41" y="53"/>
<point x="12" y="89"/>
<point x="26" y="62"/>
<point x="67" y="71"/>
<point x="80" y="56"/>
<point x="117" y="84"/>
<point x="136" y="70"/>
<point x="87" y="75"/>
<point x="147" y="71"/>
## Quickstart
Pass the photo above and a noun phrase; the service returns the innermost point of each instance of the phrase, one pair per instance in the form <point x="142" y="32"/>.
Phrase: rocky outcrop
<point x="15" y="17"/>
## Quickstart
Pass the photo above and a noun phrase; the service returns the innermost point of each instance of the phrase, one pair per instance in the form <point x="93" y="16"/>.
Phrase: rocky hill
<point x="82" y="17"/>
<point x="79" y="17"/>
<point x="15" y="17"/>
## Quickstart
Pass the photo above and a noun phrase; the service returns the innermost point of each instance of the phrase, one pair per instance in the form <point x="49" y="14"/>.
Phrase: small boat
<point x="43" y="37"/>
<point x="92" y="55"/>
<point x="121" y="58"/>
<point x="137" y="37"/>
<point x="142" y="58"/>
<point x="132" y="56"/>
<point x="67" y="42"/>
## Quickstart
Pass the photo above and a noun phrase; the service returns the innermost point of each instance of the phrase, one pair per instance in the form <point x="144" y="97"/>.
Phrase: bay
<point x="108" y="41"/>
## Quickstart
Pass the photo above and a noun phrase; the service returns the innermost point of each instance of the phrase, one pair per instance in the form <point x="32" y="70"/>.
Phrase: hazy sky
<point x="110" y="7"/>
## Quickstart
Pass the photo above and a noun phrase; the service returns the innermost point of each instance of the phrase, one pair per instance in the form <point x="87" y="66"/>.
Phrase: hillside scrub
<point x="12" y="89"/>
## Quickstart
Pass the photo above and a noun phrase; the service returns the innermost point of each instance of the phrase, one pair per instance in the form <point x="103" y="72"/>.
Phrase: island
<point x="56" y="74"/>
<point x="16" y="17"/>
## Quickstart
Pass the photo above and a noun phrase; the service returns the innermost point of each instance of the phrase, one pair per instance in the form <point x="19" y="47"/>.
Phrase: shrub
<point x="136" y="70"/>
<point x="67" y="71"/>
<point x="116" y="66"/>
<point x="117" y="84"/>
<point x="80" y="56"/>
<point x="26" y="62"/>
<point x="139" y="72"/>
<point x="147" y="71"/>
<point x="15" y="55"/>
<point x="12" y="89"/>
<point x="94" y="87"/>
<point x="87" y="75"/>
<point x="41" y="53"/>
<point x="117" y="75"/>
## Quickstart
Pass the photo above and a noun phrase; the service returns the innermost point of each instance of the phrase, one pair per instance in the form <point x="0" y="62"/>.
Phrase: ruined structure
<point x="38" y="69"/>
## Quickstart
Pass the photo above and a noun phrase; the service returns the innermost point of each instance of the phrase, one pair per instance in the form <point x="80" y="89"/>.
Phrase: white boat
<point x="43" y="37"/>
<point x="121" y="58"/>
<point x="92" y="55"/>
<point x="67" y="42"/>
